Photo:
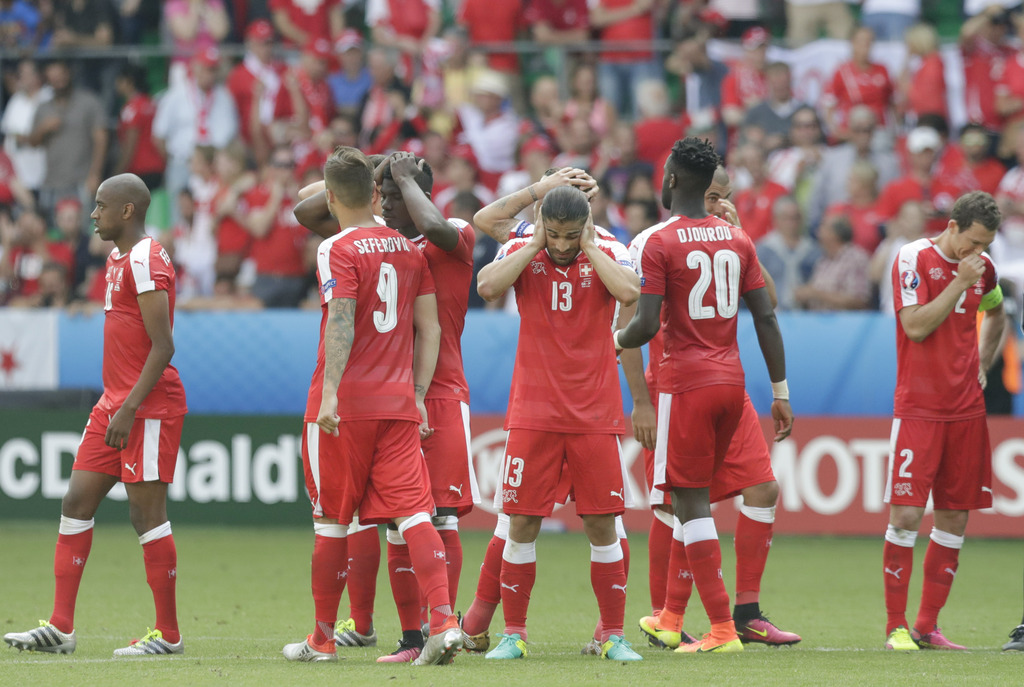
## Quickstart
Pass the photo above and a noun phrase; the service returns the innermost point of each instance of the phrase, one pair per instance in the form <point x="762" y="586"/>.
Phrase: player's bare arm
<point x="426" y="347"/>
<point x="156" y="318"/>
<point x="990" y="340"/>
<point x="425" y="215"/>
<point x="645" y="323"/>
<point x="918" y="321"/>
<point x="496" y="278"/>
<point x="644" y="417"/>
<point x="766" y="326"/>
<point x="338" y="334"/>
<point x="499" y="218"/>
<point x="261" y="220"/>
<point x="311" y="190"/>
<point x="314" y="214"/>
<point x="621" y="281"/>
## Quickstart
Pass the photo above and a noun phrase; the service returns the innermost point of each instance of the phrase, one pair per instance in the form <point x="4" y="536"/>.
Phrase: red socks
<point x="428" y="558"/>
<point x="161" y="559"/>
<point x="449" y="532"/>
<point x="940" y="565"/>
<point x="518" y="574"/>
<point x="705" y="556"/>
<point x="403" y="582"/>
<point x="897" y="561"/>
<point x="608" y="578"/>
<point x="658" y="547"/>
<point x="753" y="540"/>
<point x="73" y="544"/>
<point x="330" y="571"/>
<point x="488" y="590"/>
<point x="363" y="564"/>
<point x="680" y="576"/>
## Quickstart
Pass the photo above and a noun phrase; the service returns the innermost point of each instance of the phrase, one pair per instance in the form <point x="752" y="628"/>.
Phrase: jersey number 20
<point x="725" y="267"/>
<point x="387" y="291"/>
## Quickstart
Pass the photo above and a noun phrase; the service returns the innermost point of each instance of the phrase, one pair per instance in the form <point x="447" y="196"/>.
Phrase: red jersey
<point x="743" y="87"/>
<point x="138" y="114"/>
<point x="282" y="250"/>
<point x="565" y="377"/>
<point x="452" y="272"/>
<point x="362" y="263"/>
<point x="940" y="194"/>
<point x="927" y="93"/>
<point x="937" y="379"/>
<point x="1012" y="81"/>
<point x="318" y="98"/>
<point x="560" y="16"/>
<point x="126" y="345"/>
<point x="241" y="83"/>
<point x="655" y="136"/>
<point x="312" y="17"/>
<point x="701" y="267"/>
<point x="488" y="21"/>
<point x="983" y="69"/>
<point x="853" y="86"/>
<point x="755" y="207"/>
<point x="28" y="265"/>
<point x="865" y="222"/>
<point x="637" y="28"/>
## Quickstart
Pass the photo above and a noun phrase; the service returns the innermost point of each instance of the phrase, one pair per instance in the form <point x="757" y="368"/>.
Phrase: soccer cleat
<point x="900" y="639"/>
<point x="762" y="631"/>
<point x="935" y="640"/>
<point x="441" y="647"/>
<point x="46" y="638"/>
<point x="722" y="640"/>
<point x="153" y="644"/>
<point x="345" y="635"/>
<point x="405" y="653"/>
<point x="662" y="639"/>
<point x="510" y="646"/>
<point x="618" y="649"/>
<point x="591" y="648"/>
<point x="308" y="652"/>
<point x="476" y="643"/>
<point x="1016" y="642"/>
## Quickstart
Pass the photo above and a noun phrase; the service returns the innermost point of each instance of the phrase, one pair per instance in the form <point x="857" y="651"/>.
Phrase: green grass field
<point x="244" y="593"/>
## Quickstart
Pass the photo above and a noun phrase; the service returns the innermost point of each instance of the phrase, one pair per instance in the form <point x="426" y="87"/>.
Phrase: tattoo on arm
<point x="533" y="194"/>
<point x="503" y="229"/>
<point x="338" y="336"/>
<point x="420" y="389"/>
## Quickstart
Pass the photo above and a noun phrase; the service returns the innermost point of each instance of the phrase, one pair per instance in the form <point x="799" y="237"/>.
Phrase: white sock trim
<point x="765" y="515"/>
<point x="333" y="530"/>
<point x="950" y="541"/>
<point x="677" y="529"/>
<point x="667" y="519"/>
<point x="395" y="537"/>
<point x="158" y="532"/>
<point x="446" y="522"/>
<point x="72" y="526"/>
<point x="701" y="529"/>
<point x="620" y="528"/>
<point x="904" y="538"/>
<point x="357" y="526"/>
<point x="501" y="529"/>
<point x="519" y="553"/>
<point x="606" y="554"/>
<point x="413" y="521"/>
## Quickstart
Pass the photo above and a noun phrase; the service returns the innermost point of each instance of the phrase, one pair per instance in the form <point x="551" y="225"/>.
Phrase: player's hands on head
<point x="729" y="213"/>
<point x="567" y="176"/>
<point x="539" y="240"/>
<point x="119" y="428"/>
<point x="782" y="415"/>
<point x="588" y="239"/>
<point x="425" y="429"/>
<point x="327" y="418"/>
<point x="587" y="184"/>
<point x="645" y="425"/>
<point x="404" y="165"/>
<point x="970" y="270"/>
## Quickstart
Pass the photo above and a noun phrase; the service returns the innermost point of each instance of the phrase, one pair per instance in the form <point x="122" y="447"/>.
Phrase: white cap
<point x="923" y="138"/>
<point x="490" y="82"/>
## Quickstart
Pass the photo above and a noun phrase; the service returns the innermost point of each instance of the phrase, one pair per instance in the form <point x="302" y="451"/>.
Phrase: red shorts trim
<point x="536" y="464"/>
<point x="747" y="463"/>
<point x="373" y="468"/>
<point x="149" y="456"/>
<point x="448" y="456"/>
<point x="695" y="429"/>
<point x="951" y="460"/>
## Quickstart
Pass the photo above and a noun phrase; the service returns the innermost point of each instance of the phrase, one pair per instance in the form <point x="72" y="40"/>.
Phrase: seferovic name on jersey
<point x="388" y="244"/>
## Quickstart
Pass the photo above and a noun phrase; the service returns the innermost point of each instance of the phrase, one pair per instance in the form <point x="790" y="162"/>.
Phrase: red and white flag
<point x="28" y="349"/>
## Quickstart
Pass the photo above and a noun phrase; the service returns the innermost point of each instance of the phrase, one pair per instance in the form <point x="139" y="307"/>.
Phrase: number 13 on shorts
<point x="512" y="471"/>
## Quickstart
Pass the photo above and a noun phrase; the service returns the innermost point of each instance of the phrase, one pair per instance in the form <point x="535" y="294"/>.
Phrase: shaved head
<point x="127" y="189"/>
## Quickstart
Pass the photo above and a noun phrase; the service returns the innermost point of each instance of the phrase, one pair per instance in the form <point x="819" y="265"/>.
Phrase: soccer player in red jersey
<point x="747" y="471"/>
<point x="939" y="441"/>
<point x="698" y="268"/>
<point x="361" y="449"/>
<point x="133" y="432"/>
<point x="563" y="417"/>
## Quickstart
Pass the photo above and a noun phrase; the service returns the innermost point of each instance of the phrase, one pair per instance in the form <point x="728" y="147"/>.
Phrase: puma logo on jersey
<point x="130" y="468"/>
<point x="619" y="494"/>
<point x="620" y="587"/>
<point x="564" y="273"/>
<point x="140" y="263"/>
<point x="456" y="489"/>
<point x="408" y="570"/>
<point x="513" y="587"/>
<point x="988" y="489"/>
<point x="895" y="573"/>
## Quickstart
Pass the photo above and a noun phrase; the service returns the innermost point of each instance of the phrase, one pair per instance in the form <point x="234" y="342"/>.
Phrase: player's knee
<point x="600" y="529"/>
<point x="763" y="495"/>
<point x="77" y="505"/>
<point x="906" y="519"/>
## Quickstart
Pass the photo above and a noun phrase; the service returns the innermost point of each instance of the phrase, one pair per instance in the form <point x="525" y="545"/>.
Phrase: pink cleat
<point x="935" y="640"/>
<point x="405" y="653"/>
<point x="762" y="631"/>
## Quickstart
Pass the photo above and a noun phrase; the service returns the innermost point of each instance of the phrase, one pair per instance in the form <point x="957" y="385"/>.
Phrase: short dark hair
<point x="936" y="121"/>
<point x="467" y="200"/>
<point x="694" y="161"/>
<point x="348" y="175"/>
<point x="424" y="178"/>
<point x="565" y="204"/>
<point x="842" y="227"/>
<point x="976" y="206"/>
<point x="649" y="207"/>
<point x="136" y="75"/>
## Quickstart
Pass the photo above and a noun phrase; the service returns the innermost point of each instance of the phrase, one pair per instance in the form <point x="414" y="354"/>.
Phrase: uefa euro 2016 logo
<point x="909" y="279"/>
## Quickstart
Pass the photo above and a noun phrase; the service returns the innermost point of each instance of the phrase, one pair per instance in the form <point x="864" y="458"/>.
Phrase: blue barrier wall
<point x="261" y="362"/>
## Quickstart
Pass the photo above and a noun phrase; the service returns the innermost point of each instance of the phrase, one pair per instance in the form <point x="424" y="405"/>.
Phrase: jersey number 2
<point x="726" y="270"/>
<point x="387" y="291"/>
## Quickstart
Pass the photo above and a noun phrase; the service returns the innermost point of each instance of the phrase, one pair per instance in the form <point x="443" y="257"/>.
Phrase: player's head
<point x="565" y="211"/>
<point x="392" y="203"/>
<point x="720" y="189"/>
<point x="349" y="180"/>
<point x="121" y="205"/>
<point x="689" y="170"/>
<point x="973" y="224"/>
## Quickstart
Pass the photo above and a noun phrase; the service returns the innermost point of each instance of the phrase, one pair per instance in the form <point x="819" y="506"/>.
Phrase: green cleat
<point x="510" y="646"/>
<point x="900" y="640"/>
<point x="618" y="649"/>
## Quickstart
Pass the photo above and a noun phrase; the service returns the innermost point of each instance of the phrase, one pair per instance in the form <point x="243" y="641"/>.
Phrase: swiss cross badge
<point x="586" y="269"/>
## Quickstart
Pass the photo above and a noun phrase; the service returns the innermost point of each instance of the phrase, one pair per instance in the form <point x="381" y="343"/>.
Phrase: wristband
<point x="780" y="390"/>
<point x="615" y="340"/>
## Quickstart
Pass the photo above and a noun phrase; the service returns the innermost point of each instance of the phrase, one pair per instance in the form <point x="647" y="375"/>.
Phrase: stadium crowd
<point x="829" y="190"/>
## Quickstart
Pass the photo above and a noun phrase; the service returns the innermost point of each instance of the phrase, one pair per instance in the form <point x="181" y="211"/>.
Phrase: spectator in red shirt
<point x="12" y="191"/>
<point x="301" y="22"/>
<point x="558" y="22"/>
<point x="259" y="72"/>
<point x="860" y="209"/>
<point x="982" y="43"/>
<point x="137" y="152"/>
<point x="923" y="82"/>
<point x="620" y="71"/>
<point x="857" y="82"/>
<point x="656" y="130"/>
<point x="754" y="204"/>
<point x="746" y="85"/>
<point x="407" y="26"/>
<point x="981" y="171"/>
<point x="1010" y="95"/>
<point x="25" y="250"/>
<point x="233" y="240"/>
<point x="494" y="21"/>
<point x="315" y="104"/>
<point x="938" y="194"/>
